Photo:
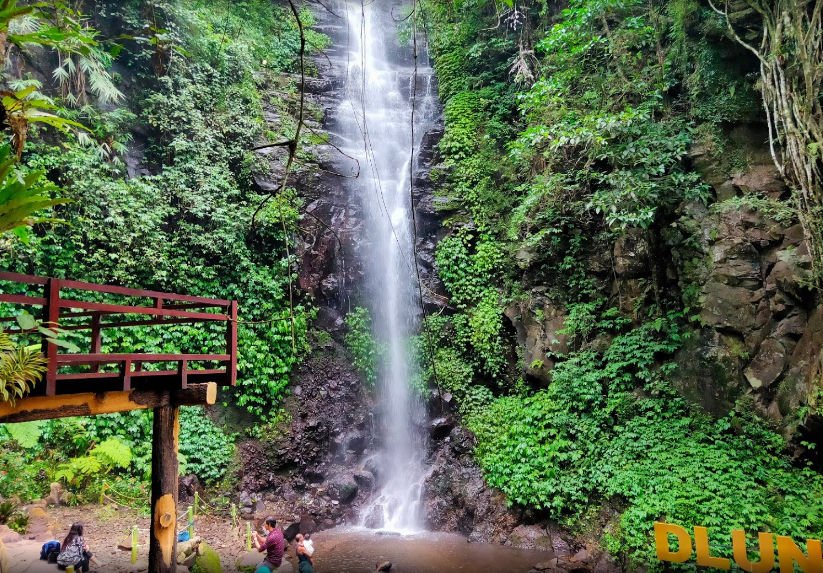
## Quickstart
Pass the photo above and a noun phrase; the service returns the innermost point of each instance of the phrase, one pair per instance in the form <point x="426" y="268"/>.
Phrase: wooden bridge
<point x="96" y="382"/>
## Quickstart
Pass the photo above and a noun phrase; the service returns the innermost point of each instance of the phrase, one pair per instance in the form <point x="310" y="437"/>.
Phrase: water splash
<point x="378" y="125"/>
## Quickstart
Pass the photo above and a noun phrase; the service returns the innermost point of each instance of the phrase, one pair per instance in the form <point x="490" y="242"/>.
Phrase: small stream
<point x="358" y="551"/>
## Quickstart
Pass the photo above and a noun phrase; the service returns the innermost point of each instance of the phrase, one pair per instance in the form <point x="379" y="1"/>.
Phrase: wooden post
<point x="96" y="339"/>
<point x="52" y="316"/>
<point x="231" y="343"/>
<point x="163" y="534"/>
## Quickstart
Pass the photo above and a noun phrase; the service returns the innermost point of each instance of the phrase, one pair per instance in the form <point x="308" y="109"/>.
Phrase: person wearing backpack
<point x="50" y="551"/>
<point x="75" y="550"/>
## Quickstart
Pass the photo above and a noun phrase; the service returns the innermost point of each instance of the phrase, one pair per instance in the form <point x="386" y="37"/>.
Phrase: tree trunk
<point x="163" y="535"/>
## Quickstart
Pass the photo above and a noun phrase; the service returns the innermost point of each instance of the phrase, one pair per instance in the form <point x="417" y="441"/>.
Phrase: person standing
<point x="273" y="544"/>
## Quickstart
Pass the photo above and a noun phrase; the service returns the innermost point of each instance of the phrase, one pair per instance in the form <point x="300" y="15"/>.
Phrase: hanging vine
<point x="790" y="52"/>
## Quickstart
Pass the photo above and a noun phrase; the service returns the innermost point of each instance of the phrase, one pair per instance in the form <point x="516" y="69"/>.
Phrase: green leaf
<point x="26" y="434"/>
<point x="26" y="321"/>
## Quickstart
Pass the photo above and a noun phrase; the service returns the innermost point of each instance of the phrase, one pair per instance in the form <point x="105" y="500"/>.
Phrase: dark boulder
<point x="440" y="428"/>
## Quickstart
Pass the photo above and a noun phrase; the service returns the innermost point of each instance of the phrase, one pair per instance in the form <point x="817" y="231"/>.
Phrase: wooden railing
<point x="64" y="305"/>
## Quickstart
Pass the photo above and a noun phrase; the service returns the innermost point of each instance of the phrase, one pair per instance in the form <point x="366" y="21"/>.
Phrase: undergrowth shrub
<point x="365" y="349"/>
<point x="610" y="429"/>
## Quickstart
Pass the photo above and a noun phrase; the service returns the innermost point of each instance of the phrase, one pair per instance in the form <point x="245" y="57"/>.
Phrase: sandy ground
<point x="106" y="527"/>
<point x="337" y="551"/>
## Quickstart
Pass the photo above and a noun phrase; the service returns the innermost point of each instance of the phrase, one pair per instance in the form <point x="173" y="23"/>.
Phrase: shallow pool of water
<point x="357" y="551"/>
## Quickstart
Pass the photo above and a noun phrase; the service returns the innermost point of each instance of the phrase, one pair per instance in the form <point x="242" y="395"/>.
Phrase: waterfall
<point x="384" y="98"/>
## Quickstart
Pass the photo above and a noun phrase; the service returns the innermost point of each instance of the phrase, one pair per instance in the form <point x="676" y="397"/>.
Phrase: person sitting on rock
<point x="74" y="551"/>
<point x="273" y="544"/>
<point x="304" y="560"/>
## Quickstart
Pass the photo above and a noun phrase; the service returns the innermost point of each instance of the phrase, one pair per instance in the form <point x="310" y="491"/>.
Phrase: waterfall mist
<point x="381" y="120"/>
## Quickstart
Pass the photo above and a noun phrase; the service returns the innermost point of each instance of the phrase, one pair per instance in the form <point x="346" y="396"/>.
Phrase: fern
<point x="26" y="434"/>
<point x="81" y="467"/>
<point x="87" y="73"/>
<point x="20" y="369"/>
<point x="113" y="453"/>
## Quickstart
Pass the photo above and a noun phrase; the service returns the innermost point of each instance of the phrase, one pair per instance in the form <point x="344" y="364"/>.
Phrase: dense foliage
<point x="610" y="427"/>
<point x="567" y="127"/>
<point x="360" y="341"/>
<point x="181" y="222"/>
<point x="158" y="192"/>
<point x="100" y="456"/>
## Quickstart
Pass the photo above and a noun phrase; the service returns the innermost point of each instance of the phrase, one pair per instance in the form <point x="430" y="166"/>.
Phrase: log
<point x="90" y="404"/>
<point x="163" y="535"/>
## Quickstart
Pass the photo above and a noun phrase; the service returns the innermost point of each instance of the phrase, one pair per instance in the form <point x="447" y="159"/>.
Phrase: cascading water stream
<point x="382" y="118"/>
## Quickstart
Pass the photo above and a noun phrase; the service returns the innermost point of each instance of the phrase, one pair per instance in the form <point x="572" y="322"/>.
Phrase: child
<point x="304" y="560"/>
<point x="308" y="544"/>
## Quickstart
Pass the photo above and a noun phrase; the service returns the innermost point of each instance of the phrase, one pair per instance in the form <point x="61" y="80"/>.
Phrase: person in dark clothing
<point x="273" y="544"/>
<point x="75" y="550"/>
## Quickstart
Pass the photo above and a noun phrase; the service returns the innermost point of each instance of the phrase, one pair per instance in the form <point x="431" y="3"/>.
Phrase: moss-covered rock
<point x="208" y="561"/>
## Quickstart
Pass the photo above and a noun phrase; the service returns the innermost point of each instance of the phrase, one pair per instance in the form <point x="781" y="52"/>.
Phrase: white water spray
<point x="381" y="120"/>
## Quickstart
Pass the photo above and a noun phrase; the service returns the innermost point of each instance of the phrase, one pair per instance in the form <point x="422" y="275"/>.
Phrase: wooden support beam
<point x="96" y="340"/>
<point x="52" y="316"/>
<point x="163" y="534"/>
<point x="231" y="343"/>
<point x="46" y="407"/>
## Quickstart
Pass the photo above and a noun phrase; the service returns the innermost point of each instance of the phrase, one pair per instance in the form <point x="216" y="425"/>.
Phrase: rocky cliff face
<point x="315" y="464"/>
<point x="311" y="465"/>
<point x="739" y="266"/>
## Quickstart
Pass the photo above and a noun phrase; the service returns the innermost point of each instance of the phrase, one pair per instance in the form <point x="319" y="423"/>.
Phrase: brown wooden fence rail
<point x="66" y="304"/>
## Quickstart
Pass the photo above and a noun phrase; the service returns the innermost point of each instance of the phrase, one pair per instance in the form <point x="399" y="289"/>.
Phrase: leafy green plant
<point x="7" y="509"/>
<point x="610" y="428"/>
<point x="20" y="368"/>
<point x="366" y="351"/>
<point x="101" y="459"/>
<point x="206" y="449"/>
<point x="18" y="522"/>
<point x="26" y="434"/>
<point x="22" y="196"/>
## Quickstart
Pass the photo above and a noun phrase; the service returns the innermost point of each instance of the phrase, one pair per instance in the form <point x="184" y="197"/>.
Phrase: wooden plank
<point x="137" y="374"/>
<point x="52" y="318"/>
<point x="91" y="404"/>
<point x="96" y="340"/>
<point x="23" y="299"/>
<point x="108" y="308"/>
<point x="164" y="468"/>
<point x="231" y="343"/>
<point x="119" y="324"/>
<point x="19" y="278"/>
<point x="120" y="357"/>
<point x="127" y="375"/>
<point x="111" y="289"/>
<point x="183" y="372"/>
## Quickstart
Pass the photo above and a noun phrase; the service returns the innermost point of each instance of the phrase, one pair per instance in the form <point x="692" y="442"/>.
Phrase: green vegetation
<point x="101" y="456"/>
<point x="567" y="128"/>
<point x="185" y="226"/>
<point x="610" y="429"/>
<point x="14" y="518"/>
<point x="156" y="191"/>
<point x="570" y="127"/>
<point x="208" y="561"/>
<point x="360" y="341"/>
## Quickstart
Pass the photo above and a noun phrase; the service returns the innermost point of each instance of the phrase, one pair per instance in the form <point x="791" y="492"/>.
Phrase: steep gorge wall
<point x="742" y="268"/>
<point x="737" y="264"/>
